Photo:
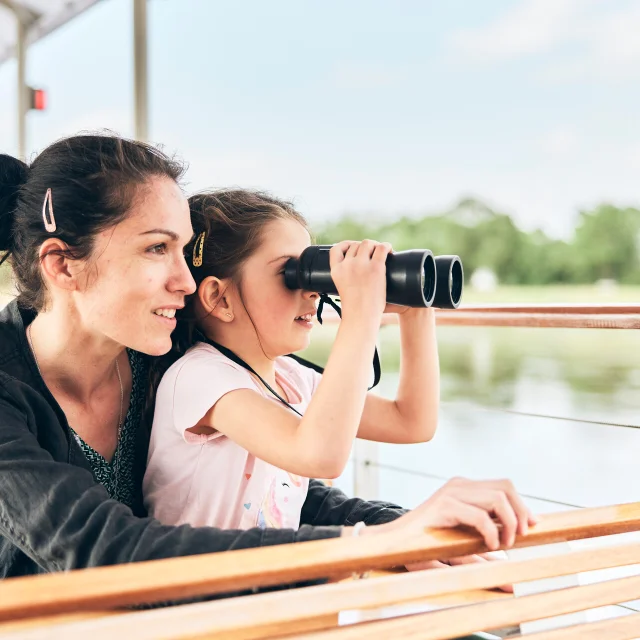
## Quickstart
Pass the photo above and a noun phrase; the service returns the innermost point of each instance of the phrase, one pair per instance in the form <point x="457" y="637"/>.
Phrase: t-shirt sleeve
<point x="199" y="383"/>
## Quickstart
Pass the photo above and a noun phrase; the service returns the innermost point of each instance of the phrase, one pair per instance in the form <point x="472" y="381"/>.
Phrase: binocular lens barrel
<point x="414" y="277"/>
<point x="449" y="283"/>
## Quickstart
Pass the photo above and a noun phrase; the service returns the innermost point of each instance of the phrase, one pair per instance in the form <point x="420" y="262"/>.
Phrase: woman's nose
<point x="183" y="280"/>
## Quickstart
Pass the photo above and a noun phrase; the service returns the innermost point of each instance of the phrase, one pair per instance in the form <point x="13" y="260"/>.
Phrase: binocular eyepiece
<point x="415" y="278"/>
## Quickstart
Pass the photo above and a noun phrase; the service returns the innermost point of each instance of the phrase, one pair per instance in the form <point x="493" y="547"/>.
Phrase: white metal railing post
<point x="366" y="483"/>
<point x="140" y="70"/>
<point x="21" y="53"/>
<point x="24" y="19"/>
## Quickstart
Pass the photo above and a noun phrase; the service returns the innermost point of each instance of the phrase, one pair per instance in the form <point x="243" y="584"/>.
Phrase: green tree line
<point x="605" y="243"/>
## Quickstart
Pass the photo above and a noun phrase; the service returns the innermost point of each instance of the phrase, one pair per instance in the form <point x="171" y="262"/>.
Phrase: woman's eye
<point x="284" y="484"/>
<point x="158" y="249"/>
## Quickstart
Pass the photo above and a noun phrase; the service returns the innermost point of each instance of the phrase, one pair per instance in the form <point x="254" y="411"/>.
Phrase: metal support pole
<point x="22" y="95"/>
<point x="24" y="19"/>
<point x="366" y="475"/>
<point x="141" y="108"/>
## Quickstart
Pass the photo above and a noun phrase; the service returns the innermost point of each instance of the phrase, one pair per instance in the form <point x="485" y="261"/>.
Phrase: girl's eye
<point x="158" y="249"/>
<point x="284" y="484"/>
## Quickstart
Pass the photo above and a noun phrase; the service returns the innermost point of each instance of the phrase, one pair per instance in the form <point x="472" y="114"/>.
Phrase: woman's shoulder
<point x="11" y="330"/>
<point x="15" y="358"/>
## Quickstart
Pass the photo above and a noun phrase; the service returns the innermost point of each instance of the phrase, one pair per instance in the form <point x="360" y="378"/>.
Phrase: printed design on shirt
<point x="279" y="501"/>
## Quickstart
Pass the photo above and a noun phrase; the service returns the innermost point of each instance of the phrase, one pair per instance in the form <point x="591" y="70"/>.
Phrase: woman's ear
<point x="214" y="297"/>
<point x="57" y="268"/>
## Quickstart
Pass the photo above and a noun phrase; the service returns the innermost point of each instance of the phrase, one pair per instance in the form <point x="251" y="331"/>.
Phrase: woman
<point x="95" y="230"/>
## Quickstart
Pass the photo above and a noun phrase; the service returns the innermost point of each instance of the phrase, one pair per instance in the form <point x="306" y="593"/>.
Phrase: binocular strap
<point x="324" y="299"/>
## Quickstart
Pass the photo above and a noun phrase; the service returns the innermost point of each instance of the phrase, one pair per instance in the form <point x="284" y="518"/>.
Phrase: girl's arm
<point x="319" y="443"/>
<point x="413" y="415"/>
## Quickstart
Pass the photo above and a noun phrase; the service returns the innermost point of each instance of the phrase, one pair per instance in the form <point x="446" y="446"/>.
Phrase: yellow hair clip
<point x="197" y="250"/>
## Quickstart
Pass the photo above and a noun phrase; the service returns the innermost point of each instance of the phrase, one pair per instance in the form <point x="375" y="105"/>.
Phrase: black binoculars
<point x="415" y="278"/>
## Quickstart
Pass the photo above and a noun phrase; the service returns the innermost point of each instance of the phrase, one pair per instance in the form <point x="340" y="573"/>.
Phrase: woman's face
<point x="282" y="317"/>
<point x="137" y="276"/>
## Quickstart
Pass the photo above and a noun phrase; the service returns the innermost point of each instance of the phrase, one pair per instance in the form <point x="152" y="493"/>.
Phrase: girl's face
<point x="137" y="276"/>
<point x="282" y="317"/>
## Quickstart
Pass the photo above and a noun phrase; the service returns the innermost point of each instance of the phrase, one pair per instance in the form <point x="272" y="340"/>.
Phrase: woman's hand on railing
<point x="480" y="504"/>
<point x="476" y="558"/>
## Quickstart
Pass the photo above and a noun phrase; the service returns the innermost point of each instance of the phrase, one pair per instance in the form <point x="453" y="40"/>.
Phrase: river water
<point x="555" y="410"/>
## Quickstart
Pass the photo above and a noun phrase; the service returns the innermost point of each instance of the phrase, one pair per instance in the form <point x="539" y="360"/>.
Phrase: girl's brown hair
<point x="232" y="221"/>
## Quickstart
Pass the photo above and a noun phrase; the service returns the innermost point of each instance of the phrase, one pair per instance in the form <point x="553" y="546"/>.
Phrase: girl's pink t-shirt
<point x="209" y="480"/>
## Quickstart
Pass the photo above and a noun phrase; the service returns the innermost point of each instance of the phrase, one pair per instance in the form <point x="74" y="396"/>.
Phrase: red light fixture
<point x="38" y="100"/>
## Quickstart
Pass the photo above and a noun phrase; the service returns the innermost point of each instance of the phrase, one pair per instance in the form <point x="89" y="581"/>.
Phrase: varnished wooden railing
<point x="451" y="623"/>
<point x="547" y="316"/>
<point x="160" y="580"/>
<point x="315" y="608"/>
<point x="578" y="316"/>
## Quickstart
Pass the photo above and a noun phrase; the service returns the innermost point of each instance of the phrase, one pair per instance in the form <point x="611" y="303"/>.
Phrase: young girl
<point x="225" y="450"/>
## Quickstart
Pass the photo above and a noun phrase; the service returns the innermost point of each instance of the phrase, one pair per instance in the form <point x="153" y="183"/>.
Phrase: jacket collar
<point x="16" y="358"/>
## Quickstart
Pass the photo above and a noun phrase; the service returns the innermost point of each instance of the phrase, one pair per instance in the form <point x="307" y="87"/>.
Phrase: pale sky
<point x="369" y="106"/>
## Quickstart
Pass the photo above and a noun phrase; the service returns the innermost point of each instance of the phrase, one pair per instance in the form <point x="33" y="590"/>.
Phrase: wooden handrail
<point x="625" y="628"/>
<point x="567" y="316"/>
<point x="312" y="608"/>
<point x="42" y="624"/>
<point x="178" y="578"/>
<point x="560" y="309"/>
<point x="452" y="623"/>
<point x="536" y="320"/>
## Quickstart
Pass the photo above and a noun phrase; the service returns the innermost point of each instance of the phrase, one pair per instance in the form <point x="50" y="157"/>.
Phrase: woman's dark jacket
<point x="54" y="516"/>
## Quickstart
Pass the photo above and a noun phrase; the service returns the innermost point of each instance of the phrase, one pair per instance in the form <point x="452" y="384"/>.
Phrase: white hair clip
<point x="50" y="224"/>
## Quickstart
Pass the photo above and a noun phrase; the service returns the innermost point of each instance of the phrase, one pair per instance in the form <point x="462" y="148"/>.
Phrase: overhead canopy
<point x="41" y="17"/>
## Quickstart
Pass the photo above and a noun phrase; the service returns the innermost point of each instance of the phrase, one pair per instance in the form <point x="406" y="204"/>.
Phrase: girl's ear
<point x="214" y="297"/>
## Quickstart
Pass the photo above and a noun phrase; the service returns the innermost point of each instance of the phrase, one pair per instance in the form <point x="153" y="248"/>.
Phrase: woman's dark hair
<point x="94" y="180"/>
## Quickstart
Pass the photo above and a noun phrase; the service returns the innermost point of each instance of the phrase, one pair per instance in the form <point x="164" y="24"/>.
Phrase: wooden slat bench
<point x="88" y="604"/>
